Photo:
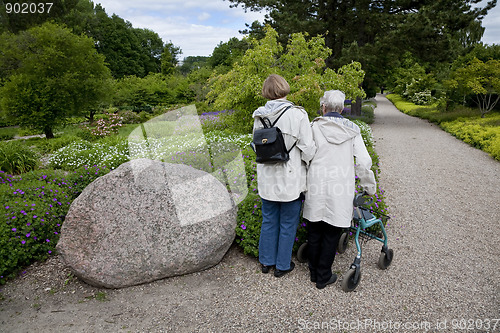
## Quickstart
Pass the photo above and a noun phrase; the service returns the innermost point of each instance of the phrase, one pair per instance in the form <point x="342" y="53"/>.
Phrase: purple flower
<point x="47" y="240"/>
<point x="243" y="227"/>
<point x="23" y="242"/>
<point x="14" y="229"/>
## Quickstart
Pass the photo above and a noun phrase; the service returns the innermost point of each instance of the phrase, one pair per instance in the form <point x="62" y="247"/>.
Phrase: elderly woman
<point x="330" y="182"/>
<point x="280" y="185"/>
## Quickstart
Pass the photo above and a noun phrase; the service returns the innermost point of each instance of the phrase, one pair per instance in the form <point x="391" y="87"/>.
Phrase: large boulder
<point x="147" y="220"/>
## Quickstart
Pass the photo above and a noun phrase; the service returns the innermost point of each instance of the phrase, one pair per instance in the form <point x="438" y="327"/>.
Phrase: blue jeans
<point x="277" y="234"/>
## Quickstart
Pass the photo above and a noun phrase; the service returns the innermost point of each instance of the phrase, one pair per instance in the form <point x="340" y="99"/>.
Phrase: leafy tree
<point x="226" y="54"/>
<point x="198" y="82"/>
<point x="480" y="79"/>
<point x="51" y="74"/>
<point x="302" y="65"/>
<point x="16" y="22"/>
<point x="169" y="58"/>
<point x="151" y="49"/>
<point x="388" y="28"/>
<point x="152" y="90"/>
<point x="193" y="63"/>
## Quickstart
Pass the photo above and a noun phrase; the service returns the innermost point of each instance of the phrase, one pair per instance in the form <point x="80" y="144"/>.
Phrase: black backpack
<point x="269" y="144"/>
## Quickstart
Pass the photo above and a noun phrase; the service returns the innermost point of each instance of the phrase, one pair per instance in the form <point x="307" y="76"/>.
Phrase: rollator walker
<point x="362" y="219"/>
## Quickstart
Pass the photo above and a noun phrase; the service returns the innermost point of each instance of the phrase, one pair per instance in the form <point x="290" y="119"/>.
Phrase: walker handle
<point x="360" y="199"/>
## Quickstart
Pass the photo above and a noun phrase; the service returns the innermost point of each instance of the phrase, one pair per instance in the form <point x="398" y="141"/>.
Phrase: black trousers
<point x="322" y="240"/>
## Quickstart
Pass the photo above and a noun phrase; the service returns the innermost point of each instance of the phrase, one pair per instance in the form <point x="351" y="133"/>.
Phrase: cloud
<point x="492" y="24"/>
<point x="204" y="16"/>
<point x="197" y="27"/>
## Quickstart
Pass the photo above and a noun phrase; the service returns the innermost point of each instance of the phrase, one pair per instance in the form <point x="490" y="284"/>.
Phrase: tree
<point x="51" y="74"/>
<point x="226" y="54"/>
<point x="169" y="58"/>
<point x="482" y="80"/>
<point x="16" y="22"/>
<point x="193" y="63"/>
<point x="151" y="49"/>
<point x="428" y="29"/>
<point x="302" y="65"/>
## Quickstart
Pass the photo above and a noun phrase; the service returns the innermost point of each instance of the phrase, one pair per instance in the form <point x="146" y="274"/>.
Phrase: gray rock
<point x="145" y="221"/>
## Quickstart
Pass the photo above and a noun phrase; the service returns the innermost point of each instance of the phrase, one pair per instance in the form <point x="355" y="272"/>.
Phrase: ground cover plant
<point x="480" y="131"/>
<point x="33" y="207"/>
<point x="36" y="202"/>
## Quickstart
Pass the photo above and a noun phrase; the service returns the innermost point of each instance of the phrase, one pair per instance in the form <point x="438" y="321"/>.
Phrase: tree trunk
<point x="356" y="107"/>
<point x="48" y="133"/>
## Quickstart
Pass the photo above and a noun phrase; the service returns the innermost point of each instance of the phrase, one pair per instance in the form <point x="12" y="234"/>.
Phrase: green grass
<point x="8" y="133"/>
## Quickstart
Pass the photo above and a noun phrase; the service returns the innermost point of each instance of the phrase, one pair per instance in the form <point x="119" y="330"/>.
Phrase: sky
<point x="198" y="26"/>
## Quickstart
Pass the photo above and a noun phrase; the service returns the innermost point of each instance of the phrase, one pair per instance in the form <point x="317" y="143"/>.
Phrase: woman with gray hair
<point x="330" y="184"/>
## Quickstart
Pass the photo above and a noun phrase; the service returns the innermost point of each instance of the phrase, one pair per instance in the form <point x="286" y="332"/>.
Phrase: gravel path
<point x="444" y="197"/>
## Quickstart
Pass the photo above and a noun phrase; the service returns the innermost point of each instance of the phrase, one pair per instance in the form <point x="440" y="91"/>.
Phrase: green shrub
<point x="8" y="133"/>
<point x="33" y="210"/>
<point x="129" y="117"/>
<point x="482" y="133"/>
<point x="16" y="158"/>
<point x="410" y="108"/>
<point x="47" y="146"/>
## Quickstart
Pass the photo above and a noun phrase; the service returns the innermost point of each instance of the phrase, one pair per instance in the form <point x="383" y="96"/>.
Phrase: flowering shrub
<point x="107" y="125"/>
<point x="129" y="117"/>
<point x="214" y="120"/>
<point x="422" y="98"/>
<point x="34" y="206"/>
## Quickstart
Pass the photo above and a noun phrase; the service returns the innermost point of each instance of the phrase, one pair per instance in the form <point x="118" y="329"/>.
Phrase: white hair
<point x="333" y="100"/>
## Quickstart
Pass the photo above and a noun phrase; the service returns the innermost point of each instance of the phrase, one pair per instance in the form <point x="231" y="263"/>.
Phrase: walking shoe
<point x="280" y="273"/>
<point x="265" y="268"/>
<point x="333" y="278"/>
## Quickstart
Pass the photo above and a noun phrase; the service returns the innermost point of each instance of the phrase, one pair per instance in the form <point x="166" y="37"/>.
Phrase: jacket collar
<point x="333" y="114"/>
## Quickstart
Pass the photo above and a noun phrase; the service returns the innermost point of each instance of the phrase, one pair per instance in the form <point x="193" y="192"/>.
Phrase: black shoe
<point x="265" y="268"/>
<point x="333" y="278"/>
<point x="313" y="277"/>
<point x="280" y="273"/>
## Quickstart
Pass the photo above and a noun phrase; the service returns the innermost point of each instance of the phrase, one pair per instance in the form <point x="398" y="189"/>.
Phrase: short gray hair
<point x="333" y="100"/>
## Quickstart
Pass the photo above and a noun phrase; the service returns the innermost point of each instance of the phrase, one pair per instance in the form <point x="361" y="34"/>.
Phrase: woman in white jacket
<point x="330" y="184"/>
<point x="280" y="185"/>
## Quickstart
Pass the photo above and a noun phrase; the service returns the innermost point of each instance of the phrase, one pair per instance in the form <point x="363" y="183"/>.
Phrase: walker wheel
<point x="385" y="259"/>
<point x="348" y="281"/>
<point x="302" y="253"/>
<point x="343" y="242"/>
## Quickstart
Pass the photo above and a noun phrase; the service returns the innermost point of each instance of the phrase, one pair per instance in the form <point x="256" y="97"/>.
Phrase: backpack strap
<point x="286" y="109"/>
<point x="274" y="123"/>
<point x="269" y="124"/>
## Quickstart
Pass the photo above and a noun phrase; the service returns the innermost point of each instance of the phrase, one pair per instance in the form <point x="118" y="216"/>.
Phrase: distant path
<point x="444" y="197"/>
